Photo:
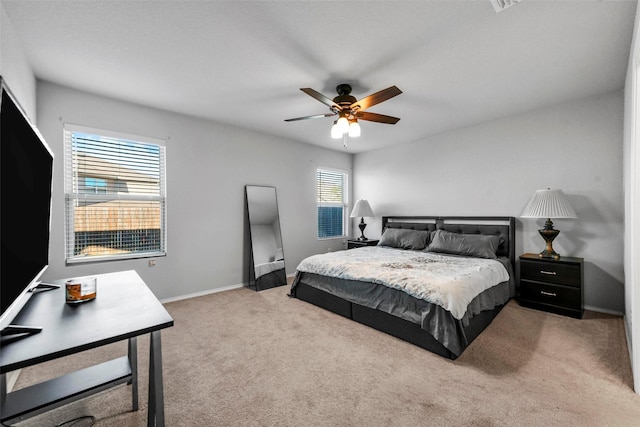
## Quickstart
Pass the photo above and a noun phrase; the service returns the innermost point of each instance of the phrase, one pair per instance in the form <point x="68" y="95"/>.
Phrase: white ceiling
<point x="242" y="63"/>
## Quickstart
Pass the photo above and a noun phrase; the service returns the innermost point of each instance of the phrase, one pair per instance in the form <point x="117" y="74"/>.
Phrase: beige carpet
<point x="241" y="358"/>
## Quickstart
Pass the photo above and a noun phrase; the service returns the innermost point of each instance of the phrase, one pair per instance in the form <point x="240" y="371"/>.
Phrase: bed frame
<point x="403" y="329"/>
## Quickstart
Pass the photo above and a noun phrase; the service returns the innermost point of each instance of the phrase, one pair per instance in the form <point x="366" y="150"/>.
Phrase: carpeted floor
<point x="241" y="358"/>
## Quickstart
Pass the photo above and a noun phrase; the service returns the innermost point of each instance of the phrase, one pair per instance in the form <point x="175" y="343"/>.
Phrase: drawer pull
<point x="550" y="273"/>
<point x="549" y="294"/>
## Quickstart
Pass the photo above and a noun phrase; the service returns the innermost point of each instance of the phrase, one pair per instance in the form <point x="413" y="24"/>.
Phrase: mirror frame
<point x="271" y="272"/>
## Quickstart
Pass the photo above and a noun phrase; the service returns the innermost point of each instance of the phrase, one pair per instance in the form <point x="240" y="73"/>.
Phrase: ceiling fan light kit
<point x="344" y="126"/>
<point x="349" y="110"/>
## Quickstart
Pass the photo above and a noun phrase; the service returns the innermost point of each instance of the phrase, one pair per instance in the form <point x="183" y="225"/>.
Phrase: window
<point x="115" y="197"/>
<point x="94" y="185"/>
<point x="333" y="203"/>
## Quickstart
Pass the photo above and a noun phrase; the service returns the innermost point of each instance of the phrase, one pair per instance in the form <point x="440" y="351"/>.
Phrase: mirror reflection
<point x="267" y="254"/>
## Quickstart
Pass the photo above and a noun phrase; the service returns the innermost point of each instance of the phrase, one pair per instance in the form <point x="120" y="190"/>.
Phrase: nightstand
<point x="360" y="243"/>
<point x="552" y="285"/>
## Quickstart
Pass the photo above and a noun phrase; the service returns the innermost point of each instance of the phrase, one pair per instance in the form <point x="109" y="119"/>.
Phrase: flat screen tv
<point x="26" y="173"/>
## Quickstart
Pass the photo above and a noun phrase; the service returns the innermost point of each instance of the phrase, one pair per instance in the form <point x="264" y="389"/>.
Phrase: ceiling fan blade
<point x="376" y="98"/>
<point x="320" y="97"/>
<point x="374" y="117"/>
<point x="317" y="116"/>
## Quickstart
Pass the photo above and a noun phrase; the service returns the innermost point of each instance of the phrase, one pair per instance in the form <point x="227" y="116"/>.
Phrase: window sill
<point x="124" y="257"/>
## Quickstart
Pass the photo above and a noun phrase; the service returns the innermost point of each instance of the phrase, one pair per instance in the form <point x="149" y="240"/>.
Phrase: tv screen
<point x="26" y="173"/>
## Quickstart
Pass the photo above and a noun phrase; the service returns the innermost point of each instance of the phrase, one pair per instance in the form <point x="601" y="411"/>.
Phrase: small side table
<point x="552" y="285"/>
<point x="360" y="243"/>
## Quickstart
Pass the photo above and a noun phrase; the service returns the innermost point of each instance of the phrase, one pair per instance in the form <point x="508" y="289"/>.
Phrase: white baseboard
<point x="211" y="291"/>
<point x="627" y="333"/>
<point x="203" y="293"/>
<point x="603" y="310"/>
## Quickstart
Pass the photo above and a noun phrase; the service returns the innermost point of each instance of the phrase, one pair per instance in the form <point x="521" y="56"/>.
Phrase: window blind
<point x="332" y="203"/>
<point x="115" y="195"/>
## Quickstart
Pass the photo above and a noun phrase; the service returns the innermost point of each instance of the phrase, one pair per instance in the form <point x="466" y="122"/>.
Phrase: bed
<point x="379" y="286"/>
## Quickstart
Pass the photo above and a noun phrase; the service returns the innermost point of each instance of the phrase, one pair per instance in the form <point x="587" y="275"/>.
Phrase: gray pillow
<point x="403" y="238"/>
<point x="475" y="245"/>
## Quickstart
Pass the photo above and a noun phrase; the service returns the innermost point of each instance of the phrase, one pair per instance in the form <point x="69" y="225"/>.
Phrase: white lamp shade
<point x="548" y="204"/>
<point x="354" y="129"/>
<point x="343" y="124"/>
<point x="335" y="132"/>
<point x="362" y="209"/>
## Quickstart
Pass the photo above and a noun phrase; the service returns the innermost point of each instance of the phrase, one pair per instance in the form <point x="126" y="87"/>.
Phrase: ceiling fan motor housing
<point x="343" y="89"/>
<point x="344" y="99"/>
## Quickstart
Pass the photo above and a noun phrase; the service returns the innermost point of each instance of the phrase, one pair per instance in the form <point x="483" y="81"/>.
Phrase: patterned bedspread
<point x="449" y="281"/>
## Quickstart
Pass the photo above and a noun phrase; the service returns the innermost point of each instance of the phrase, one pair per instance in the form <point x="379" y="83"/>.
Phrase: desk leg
<point x="156" y="398"/>
<point x="133" y="362"/>
<point x="3" y="390"/>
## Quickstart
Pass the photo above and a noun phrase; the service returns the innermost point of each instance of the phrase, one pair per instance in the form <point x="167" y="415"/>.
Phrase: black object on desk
<point x="124" y="309"/>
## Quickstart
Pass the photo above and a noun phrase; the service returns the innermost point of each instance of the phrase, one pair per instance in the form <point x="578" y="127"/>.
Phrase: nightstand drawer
<point x="549" y="272"/>
<point x="566" y="296"/>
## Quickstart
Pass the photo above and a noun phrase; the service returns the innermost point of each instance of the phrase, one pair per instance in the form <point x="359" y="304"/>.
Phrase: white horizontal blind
<point x="333" y="201"/>
<point x="115" y="194"/>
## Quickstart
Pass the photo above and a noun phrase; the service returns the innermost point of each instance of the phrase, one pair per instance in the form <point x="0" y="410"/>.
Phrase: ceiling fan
<point x="350" y="110"/>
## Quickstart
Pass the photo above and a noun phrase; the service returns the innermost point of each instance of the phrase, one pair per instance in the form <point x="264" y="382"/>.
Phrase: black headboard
<point x="503" y="226"/>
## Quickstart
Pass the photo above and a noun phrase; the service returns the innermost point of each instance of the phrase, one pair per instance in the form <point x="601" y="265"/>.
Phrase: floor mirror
<point x="267" y="256"/>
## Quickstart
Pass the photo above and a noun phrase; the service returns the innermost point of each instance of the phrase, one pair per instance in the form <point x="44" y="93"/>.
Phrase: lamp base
<point x="549" y="254"/>
<point x="549" y="233"/>
<point x="362" y="226"/>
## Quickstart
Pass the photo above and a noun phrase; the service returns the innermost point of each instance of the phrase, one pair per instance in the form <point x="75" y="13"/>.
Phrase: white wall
<point x="632" y="203"/>
<point x="14" y="68"/>
<point x="208" y="165"/>
<point x="494" y="168"/>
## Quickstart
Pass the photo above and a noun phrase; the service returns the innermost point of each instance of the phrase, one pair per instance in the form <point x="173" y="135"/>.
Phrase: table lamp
<point x="362" y="209"/>
<point x="548" y="204"/>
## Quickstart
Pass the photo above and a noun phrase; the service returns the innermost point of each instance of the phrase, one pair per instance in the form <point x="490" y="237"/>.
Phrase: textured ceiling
<point x="242" y="63"/>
